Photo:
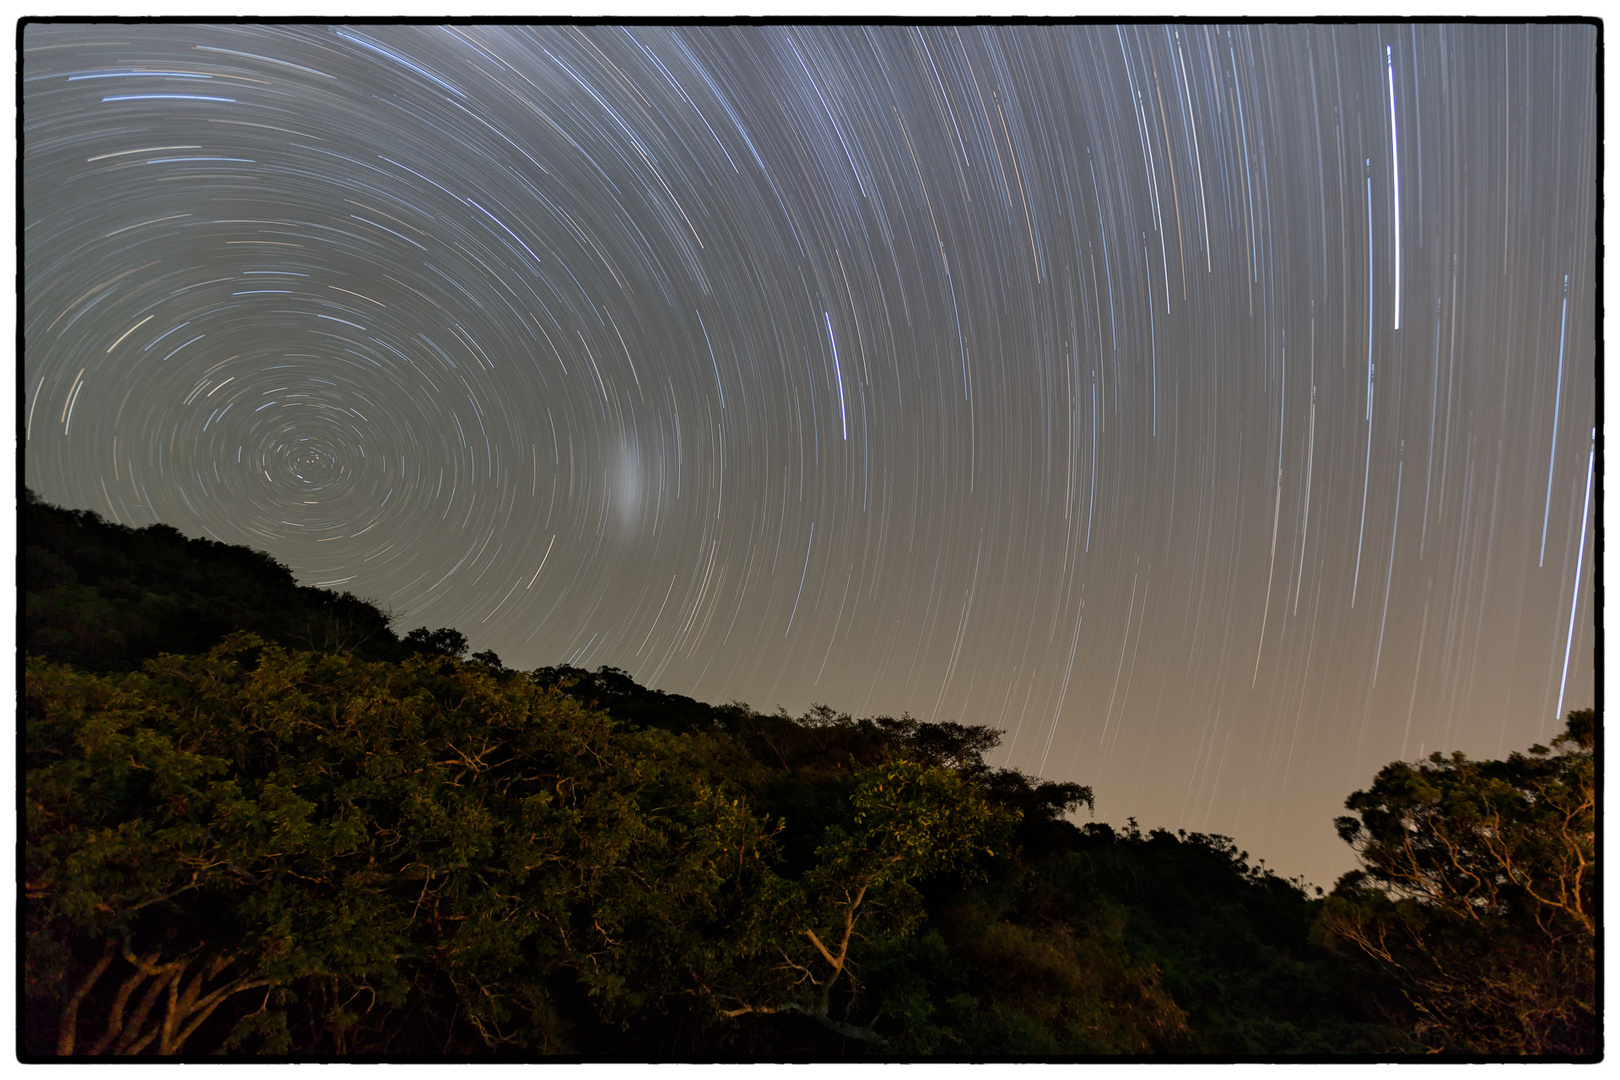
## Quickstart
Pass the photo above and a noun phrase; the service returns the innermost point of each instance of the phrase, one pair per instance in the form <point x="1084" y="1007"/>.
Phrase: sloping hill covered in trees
<point x="105" y="597"/>
<point x="257" y="821"/>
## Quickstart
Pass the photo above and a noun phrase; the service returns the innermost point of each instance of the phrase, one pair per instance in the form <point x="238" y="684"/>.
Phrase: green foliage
<point x="1186" y="949"/>
<point x="910" y="821"/>
<point x="424" y="834"/>
<point x="615" y="692"/>
<point x="1477" y="890"/>
<point x="427" y="854"/>
<point x="1006" y="988"/>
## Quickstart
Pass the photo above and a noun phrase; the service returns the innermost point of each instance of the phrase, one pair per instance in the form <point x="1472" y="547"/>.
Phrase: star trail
<point x="1077" y="368"/>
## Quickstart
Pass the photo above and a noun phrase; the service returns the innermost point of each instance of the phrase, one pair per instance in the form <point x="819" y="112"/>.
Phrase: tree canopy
<point x="299" y="831"/>
<point x="307" y="823"/>
<point x="1477" y="888"/>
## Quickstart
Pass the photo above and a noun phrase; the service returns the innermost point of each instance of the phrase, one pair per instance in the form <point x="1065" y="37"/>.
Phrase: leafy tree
<point x="1050" y="988"/>
<point x="444" y="641"/>
<point x="910" y="821"/>
<point x="1096" y="941"/>
<point x="258" y="848"/>
<point x="1477" y="890"/>
<point x="614" y="692"/>
<point x="273" y="849"/>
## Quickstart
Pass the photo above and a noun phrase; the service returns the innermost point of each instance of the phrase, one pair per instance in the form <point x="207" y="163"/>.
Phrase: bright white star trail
<point x="541" y="332"/>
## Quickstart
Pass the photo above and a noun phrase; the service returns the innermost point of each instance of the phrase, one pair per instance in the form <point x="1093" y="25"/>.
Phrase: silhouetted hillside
<point x="105" y="597"/>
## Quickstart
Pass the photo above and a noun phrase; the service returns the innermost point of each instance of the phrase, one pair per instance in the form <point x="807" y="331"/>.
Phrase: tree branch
<point x="70" y="1016"/>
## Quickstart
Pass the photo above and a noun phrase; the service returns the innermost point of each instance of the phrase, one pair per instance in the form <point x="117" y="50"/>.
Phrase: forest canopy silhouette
<point x="260" y="821"/>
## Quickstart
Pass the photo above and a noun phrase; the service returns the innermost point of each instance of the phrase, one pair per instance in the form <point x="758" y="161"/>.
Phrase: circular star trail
<point x="1209" y="407"/>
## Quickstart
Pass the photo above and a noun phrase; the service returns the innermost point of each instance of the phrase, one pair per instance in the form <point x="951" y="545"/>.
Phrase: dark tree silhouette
<point x="444" y="641"/>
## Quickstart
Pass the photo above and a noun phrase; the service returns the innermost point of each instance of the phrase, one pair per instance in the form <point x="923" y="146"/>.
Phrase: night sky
<point x="1210" y="407"/>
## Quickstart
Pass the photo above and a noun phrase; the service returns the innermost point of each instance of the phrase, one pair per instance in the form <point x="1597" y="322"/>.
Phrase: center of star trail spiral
<point x="1205" y="406"/>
